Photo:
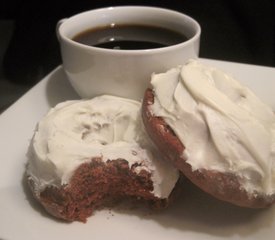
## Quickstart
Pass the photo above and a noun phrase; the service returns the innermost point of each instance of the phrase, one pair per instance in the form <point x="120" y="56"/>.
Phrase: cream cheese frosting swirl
<point x="105" y="127"/>
<point x="223" y="125"/>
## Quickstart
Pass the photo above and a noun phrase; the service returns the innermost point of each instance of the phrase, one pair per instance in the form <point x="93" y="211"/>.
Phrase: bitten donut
<point x="87" y="154"/>
<point x="215" y="131"/>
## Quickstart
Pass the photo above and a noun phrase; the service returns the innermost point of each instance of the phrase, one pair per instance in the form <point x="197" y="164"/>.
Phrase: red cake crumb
<point x="95" y="185"/>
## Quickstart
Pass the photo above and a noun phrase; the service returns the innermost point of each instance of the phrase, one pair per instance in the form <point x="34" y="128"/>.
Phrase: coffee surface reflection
<point x="129" y="37"/>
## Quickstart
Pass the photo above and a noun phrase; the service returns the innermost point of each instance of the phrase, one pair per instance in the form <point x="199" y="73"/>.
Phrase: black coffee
<point x="130" y="37"/>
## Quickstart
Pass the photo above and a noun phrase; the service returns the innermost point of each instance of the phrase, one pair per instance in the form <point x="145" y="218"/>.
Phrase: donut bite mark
<point x="97" y="185"/>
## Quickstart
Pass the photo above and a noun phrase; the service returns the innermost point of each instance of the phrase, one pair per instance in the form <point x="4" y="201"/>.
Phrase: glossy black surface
<point x="129" y="37"/>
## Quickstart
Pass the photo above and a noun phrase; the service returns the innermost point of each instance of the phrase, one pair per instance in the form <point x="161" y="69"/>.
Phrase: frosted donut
<point x="87" y="154"/>
<point x="215" y="131"/>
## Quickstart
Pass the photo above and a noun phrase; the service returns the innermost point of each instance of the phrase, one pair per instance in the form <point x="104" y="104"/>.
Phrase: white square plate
<point x="193" y="216"/>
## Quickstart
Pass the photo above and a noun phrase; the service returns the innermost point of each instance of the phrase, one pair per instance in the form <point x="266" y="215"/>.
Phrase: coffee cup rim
<point x="68" y="40"/>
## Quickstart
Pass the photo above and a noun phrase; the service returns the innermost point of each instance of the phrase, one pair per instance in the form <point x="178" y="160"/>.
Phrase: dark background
<point x="232" y="30"/>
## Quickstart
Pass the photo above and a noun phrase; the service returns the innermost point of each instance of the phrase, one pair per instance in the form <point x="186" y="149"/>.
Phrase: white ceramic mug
<point x="94" y="71"/>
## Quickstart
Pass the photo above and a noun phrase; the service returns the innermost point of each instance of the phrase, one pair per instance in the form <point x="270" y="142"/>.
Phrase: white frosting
<point x="222" y="124"/>
<point x="110" y="127"/>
